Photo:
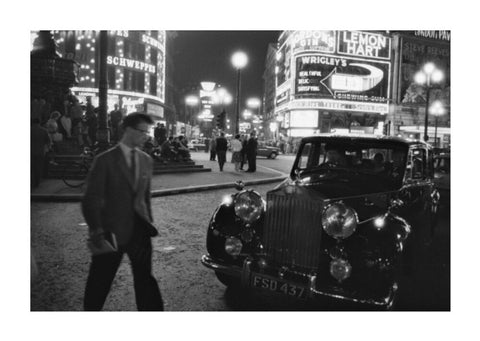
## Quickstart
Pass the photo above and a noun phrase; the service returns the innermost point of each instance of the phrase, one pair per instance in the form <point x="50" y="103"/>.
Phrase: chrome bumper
<point x="244" y="273"/>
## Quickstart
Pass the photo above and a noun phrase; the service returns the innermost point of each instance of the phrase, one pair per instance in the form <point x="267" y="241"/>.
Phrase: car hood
<point x="366" y="198"/>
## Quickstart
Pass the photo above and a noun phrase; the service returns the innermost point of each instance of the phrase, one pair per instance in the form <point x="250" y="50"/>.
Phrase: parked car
<point x="267" y="151"/>
<point x="196" y="145"/>
<point x="350" y="223"/>
<point x="442" y="176"/>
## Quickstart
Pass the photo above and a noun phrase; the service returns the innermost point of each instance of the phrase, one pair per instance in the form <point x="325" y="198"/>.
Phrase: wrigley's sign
<point x="131" y="64"/>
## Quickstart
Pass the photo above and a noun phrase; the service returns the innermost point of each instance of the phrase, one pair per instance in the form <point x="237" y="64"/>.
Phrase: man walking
<point x="213" y="151"/>
<point x="221" y="147"/>
<point x="251" y="150"/>
<point x="117" y="200"/>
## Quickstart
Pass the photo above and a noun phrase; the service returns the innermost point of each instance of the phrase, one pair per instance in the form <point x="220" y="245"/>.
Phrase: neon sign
<point x="131" y="64"/>
<point x="334" y="77"/>
<point x="323" y="41"/>
<point x="364" y="44"/>
<point x="339" y="105"/>
<point x="152" y="42"/>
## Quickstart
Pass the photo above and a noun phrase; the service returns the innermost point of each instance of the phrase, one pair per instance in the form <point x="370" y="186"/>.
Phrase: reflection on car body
<point x="442" y="176"/>
<point x="355" y="212"/>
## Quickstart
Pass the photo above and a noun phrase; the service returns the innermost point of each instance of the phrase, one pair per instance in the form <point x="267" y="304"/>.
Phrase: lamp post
<point x="222" y="97"/>
<point x="436" y="109"/>
<point x="190" y="101"/>
<point x="239" y="60"/>
<point x="102" y="132"/>
<point x="428" y="75"/>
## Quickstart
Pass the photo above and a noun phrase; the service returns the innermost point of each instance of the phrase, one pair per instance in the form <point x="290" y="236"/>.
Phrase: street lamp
<point x="430" y="74"/>
<point x="239" y="60"/>
<point x="437" y="109"/>
<point x="254" y="103"/>
<point x="191" y="101"/>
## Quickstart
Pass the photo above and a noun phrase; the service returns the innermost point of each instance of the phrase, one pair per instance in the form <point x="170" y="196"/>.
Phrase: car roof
<point x="365" y="138"/>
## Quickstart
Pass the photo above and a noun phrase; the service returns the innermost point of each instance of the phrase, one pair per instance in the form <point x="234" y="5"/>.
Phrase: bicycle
<point x="75" y="172"/>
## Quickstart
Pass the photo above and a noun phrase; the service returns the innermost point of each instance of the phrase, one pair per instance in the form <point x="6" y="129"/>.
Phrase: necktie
<point x="133" y="165"/>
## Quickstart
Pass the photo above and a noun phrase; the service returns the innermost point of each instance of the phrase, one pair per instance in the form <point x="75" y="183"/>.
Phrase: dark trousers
<point x="104" y="267"/>
<point x="37" y="167"/>
<point x="222" y="158"/>
<point x="252" y="162"/>
<point x="244" y="157"/>
<point x="213" y="153"/>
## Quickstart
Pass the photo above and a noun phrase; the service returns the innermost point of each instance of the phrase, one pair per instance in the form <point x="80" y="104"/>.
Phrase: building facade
<point x="359" y="82"/>
<point x="270" y="127"/>
<point x="136" y="68"/>
<point x="412" y="50"/>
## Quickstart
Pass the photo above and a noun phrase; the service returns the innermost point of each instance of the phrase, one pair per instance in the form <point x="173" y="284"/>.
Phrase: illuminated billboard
<point x="364" y="44"/>
<point x="350" y="79"/>
<point x="338" y="70"/>
<point x="135" y="62"/>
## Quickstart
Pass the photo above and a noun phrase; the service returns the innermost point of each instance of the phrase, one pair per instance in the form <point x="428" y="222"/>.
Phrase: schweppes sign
<point x="131" y="64"/>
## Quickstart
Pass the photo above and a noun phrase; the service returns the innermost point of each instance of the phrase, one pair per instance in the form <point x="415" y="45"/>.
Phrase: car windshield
<point x="325" y="160"/>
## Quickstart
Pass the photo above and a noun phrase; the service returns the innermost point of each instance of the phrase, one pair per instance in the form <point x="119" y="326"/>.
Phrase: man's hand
<point x="97" y="237"/>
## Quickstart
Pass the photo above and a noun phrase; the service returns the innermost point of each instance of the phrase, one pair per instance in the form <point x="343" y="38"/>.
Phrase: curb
<point x="156" y="193"/>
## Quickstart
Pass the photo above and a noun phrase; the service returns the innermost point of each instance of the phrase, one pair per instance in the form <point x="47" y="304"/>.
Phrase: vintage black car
<point x="352" y="219"/>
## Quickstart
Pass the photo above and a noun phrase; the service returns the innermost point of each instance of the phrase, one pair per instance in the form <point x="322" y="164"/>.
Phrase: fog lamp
<point x="233" y="246"/>
<point x="340" y="269"/>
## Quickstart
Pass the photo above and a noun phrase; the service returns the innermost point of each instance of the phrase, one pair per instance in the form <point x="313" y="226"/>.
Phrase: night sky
<point x="206" y="56"/>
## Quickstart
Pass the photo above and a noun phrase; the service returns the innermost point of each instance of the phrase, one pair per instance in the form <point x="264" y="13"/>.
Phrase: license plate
<point x="282" y="287"/>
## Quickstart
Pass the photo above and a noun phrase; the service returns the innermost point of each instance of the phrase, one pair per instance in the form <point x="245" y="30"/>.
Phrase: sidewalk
<point x="170" y="184"/>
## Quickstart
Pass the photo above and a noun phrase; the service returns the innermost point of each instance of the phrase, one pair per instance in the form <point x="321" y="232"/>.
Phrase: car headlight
<point x="233" y="246"/>
<point x="339" y="221"/>
<point x="248" y="206"/>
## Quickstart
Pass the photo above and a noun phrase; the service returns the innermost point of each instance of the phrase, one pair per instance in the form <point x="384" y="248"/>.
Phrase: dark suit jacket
<point x="251" y="148"/>
<point x="110" y="201"/>
<point x="221" y="144"/>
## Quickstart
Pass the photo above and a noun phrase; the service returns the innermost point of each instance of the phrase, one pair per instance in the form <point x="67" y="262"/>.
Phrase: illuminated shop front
<point x="415" y="49"/>
<point x="332" y="81"/>
<point x="135" y="67"/>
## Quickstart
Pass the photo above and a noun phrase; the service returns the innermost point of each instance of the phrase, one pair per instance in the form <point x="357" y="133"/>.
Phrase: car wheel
<point x="273" y="156"/>
<point x="228" y="281"/>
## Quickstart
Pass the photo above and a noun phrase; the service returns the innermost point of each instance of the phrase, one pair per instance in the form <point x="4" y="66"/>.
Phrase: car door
<point x="417" y="192"/>
<point x="262" y="149"/>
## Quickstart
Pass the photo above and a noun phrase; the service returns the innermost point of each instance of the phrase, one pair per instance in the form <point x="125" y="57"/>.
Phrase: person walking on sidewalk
<point x="236" y="145"/>
<point x="252" y="145"/>
<point x="213" y="151"/>
<point x="117" y="200"/>
<point x="243" y="153"/>
<point x="221" y="147"/>
<point x="39" y="145"/>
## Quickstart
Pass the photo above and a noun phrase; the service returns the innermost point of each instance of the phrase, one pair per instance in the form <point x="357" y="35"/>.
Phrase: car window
<point x="304" y="156"/>
<point x="442" y="164"/>
<point x="417" y="164"/>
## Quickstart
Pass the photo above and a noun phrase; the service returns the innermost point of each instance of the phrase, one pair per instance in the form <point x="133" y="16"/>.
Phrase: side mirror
<point x="239" y="185"/>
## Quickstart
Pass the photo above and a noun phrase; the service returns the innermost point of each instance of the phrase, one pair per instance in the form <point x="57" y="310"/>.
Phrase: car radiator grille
<point x="293" y="231"/>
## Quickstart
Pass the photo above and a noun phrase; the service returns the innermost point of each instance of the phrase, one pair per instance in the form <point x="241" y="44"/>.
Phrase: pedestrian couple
<point x="240" y="151"/>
